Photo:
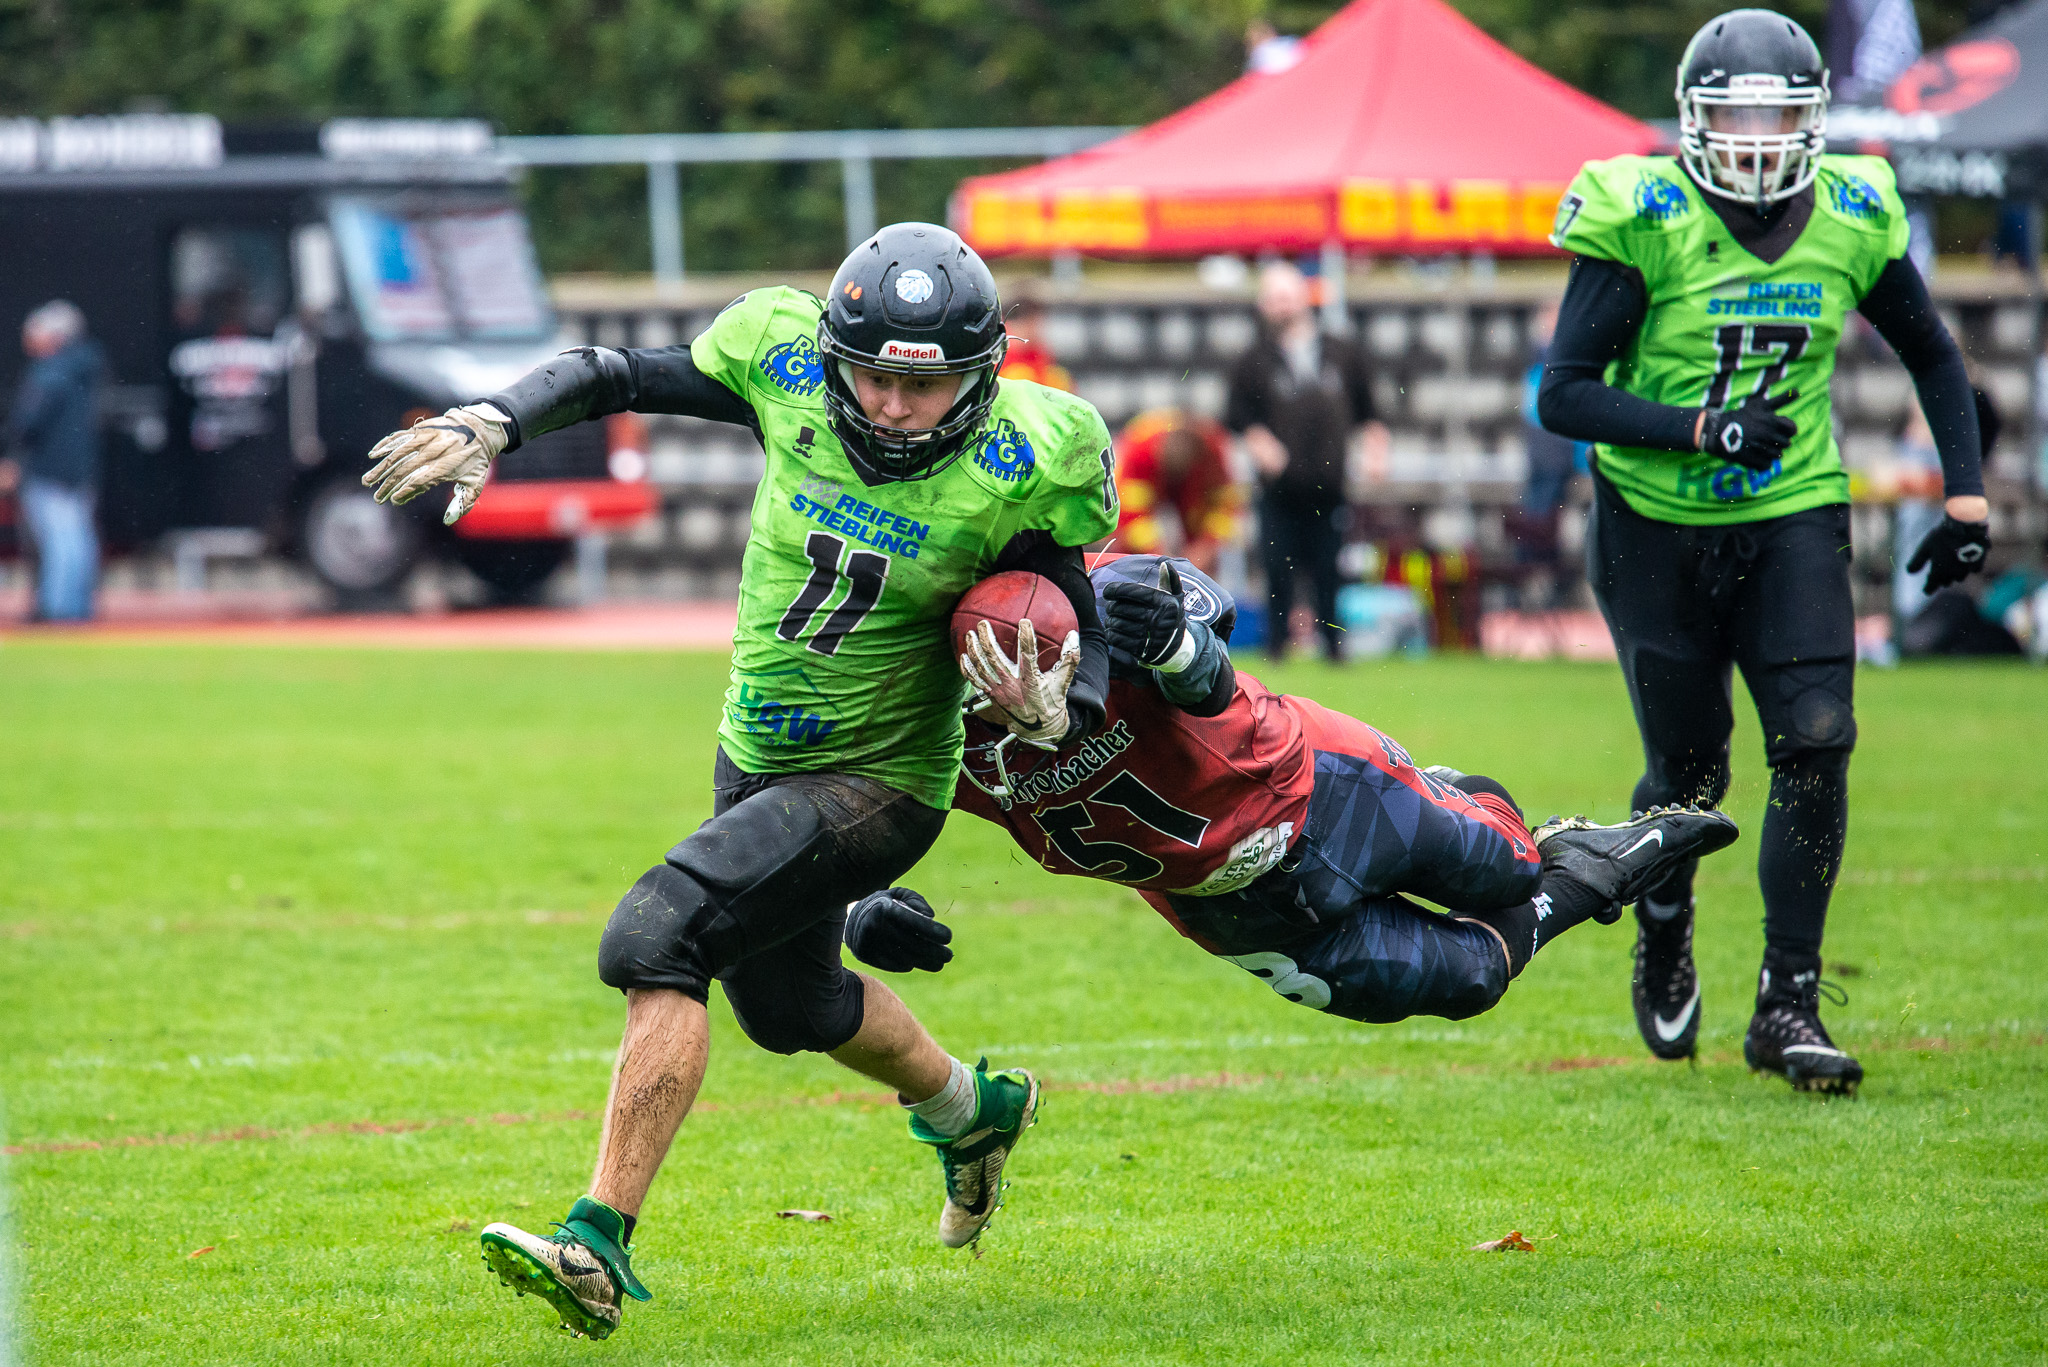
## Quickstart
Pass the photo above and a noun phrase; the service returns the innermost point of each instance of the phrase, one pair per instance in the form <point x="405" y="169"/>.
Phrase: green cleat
<point x="1006" y="1105"/>
<point x="579" y="1270"/>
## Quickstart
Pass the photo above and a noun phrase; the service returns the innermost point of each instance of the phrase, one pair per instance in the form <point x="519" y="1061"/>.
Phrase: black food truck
<point x="272" y="301"/>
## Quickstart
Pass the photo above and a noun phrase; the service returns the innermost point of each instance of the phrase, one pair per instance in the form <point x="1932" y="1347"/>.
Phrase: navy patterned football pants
<point x="1329" y="929"/>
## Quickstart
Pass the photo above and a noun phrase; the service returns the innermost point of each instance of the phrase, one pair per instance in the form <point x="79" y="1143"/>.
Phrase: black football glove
<point x="1952" y="552"/>
<point x="897" y="931"/>
<point x="1752" y="434"/>
<point x="1147" y="626"/>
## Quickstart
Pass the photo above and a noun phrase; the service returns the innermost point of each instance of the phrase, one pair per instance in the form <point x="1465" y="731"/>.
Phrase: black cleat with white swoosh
<point x="1785" y="1035"/>
<point x="1623" y="861"/>
<point x="1667" y="985"/>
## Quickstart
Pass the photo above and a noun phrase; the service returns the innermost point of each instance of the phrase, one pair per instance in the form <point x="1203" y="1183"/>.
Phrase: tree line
<point x="622" y="66"/>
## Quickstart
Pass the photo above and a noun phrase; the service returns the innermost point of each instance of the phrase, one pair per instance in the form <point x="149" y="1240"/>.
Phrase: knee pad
<point x="668" y="931"/>
<point x="1809" y="711"/>
<point x="796" y="1018"/>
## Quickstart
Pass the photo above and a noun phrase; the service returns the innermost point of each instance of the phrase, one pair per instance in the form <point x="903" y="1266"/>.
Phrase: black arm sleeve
<point x="595" y="382"/>
<point x="1212" y="664"/>
<point x="1037" y="552"/>
<point x="1604" y="306"/>
<point x="1899" y="308"/>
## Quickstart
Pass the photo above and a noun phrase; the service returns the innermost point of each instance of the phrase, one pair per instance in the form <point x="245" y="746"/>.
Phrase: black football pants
<point x="756" y="897"/>
<point x="1301" y="536"/>
<point x="1687" y="605"/>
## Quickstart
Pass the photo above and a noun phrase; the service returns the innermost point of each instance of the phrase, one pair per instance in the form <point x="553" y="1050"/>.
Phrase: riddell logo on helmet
<point x="912" y="351"/>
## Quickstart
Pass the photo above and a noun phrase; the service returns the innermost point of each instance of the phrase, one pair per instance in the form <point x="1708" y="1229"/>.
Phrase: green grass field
<point x="297" y="963"/>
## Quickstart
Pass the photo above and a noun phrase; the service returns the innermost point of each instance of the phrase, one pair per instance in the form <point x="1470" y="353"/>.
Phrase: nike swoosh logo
<point x="1669" y="1030"/>
<point x="1812" y="1049"/>
<point x="967" y="1139"/>
<point x="1657" y="836"/>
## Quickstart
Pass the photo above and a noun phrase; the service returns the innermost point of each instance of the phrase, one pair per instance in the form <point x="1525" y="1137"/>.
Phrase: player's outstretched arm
<point x="1899" y="307"/>
<point x="1149" y="629"/>
<point x="1604" y="307"/>
<point x="589" y="382"/>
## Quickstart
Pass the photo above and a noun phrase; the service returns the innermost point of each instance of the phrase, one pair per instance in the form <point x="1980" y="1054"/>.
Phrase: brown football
<point x="1011" y="597"/>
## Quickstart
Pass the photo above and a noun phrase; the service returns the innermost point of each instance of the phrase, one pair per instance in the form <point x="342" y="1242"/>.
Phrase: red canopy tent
<point x="1403" y="128"/>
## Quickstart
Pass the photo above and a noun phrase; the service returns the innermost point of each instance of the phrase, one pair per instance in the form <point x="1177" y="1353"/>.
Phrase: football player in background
<point x="1278" y="834"/>
<point x="1172" y="461"/>
<point x="1694" y="347"/>
<point x="898" y="474"/>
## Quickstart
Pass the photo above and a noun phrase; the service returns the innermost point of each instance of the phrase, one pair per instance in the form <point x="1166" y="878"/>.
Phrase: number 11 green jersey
<point x="1724" y="324"/>
<point x="843" y="660"/>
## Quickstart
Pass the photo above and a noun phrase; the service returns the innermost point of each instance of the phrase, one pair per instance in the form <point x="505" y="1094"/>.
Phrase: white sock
<point x="951" y="1111"/>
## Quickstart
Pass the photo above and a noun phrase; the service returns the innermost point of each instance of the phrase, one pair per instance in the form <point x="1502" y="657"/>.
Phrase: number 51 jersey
<point x="841" y="661"/>
<point x="1724" y="323"/>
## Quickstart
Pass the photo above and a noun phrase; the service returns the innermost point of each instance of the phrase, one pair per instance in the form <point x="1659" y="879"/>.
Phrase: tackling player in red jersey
<point x="1277" y="833"/>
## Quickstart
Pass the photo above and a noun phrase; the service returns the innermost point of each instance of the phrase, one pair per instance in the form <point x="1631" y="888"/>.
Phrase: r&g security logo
<point x="1858" y="198"/>
<point x="1005" y="452"/>
<point x="1657" y="199"/>
<point x="794" y="366"/>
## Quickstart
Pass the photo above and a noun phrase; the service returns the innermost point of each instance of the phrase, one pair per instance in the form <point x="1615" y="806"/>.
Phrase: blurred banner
<point x="1402" y="128"/>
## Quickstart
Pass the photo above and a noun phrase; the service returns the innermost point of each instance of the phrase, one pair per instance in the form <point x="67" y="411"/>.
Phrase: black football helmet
<point x="1752" y="107"/>
<point x="914" y="300"/>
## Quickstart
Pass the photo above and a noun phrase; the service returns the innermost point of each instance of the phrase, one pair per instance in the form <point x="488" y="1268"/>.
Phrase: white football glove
<point x="457" y="447"/>
<point x="1037" y="703"/>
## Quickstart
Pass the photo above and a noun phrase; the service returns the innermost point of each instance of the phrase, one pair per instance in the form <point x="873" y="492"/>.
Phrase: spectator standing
<point x="54" y="428"/>
<point x="1029" y="358"/>
<point x="1171" y="460"/>
<point x="1298" y="397"/>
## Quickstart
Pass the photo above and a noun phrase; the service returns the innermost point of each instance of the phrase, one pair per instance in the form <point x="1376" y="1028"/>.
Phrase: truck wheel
<point x="355" y="543"/>
<point x="514" y="571"/>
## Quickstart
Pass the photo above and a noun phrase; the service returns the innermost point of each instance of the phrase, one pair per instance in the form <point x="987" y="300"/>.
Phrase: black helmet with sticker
<point x="1752" y="107"/>
<point x="914" y="299"/>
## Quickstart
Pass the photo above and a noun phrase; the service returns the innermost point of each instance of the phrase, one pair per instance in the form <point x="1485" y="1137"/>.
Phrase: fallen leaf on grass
<point x="812" y="1216"/>
<point x="1514" y="1242"/>
<point x="197" y="1251"/>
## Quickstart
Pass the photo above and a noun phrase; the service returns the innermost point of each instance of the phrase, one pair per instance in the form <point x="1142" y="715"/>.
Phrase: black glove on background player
<point x="1952" y="552"/>
<point x="1146" y="625"/>
<point x="897" y="931"/>
<point x="1752" y="434"/>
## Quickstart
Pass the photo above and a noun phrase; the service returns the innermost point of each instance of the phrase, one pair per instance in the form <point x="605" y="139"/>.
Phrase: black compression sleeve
<point x="1037" y="552"/>
<point x="1604" y="306"/>
<point x="1899" y="308"/>
<point x="669" y="382"/>
<point x="595" y="382"/>
<point x="1221" y="690"/>
<point x="589" y="382"/>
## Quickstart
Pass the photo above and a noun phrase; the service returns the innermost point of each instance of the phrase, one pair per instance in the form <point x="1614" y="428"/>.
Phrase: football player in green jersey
<point x="899" y="472"/>
<point x="1694" y="347"/>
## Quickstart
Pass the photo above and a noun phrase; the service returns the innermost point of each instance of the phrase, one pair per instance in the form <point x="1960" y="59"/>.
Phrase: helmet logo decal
<point x="893" y="350"/>
<point x="794" y="366"/>
<point x="913" y="287"/>
<point x="1005" y="452"/>
<point x="1857" y="197"/>
<point x="1657" y="199"/>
